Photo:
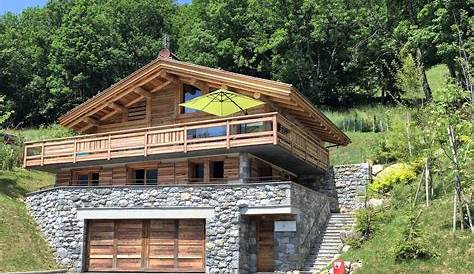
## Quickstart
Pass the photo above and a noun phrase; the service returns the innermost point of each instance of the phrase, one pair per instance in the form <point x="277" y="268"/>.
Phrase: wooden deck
<point x="230" y="132"/>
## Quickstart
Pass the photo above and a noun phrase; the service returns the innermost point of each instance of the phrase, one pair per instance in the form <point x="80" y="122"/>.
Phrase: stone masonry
<point x="55" y="211"/>
<point x="345" y="185"/>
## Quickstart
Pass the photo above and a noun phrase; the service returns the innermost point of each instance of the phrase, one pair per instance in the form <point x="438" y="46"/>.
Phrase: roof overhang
<point x="162" y="72"/>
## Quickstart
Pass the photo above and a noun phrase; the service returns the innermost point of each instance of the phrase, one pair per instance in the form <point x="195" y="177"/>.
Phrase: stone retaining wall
<point x="55" y="212"/>
<point x="345" y="185"/>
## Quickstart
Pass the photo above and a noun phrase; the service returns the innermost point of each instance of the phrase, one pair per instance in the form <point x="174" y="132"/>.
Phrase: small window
<point x="197" y="172"/>
<point x="88" y="179"/>
<point x="217" y="170"/>
<point x="151" y="176"/>
<point x="189" y="93"/>
<point x="83" y="179"/>
<point x="95" y="179"/>
<point x="145" y="177"/>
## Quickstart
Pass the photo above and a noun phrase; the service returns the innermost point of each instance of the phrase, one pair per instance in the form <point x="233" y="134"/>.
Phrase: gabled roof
<point x="163" y="71"/>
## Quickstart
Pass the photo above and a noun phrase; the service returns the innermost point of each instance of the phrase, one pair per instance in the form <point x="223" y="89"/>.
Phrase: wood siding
<point x="164" y="111"/>
<point x="168" y="173"/>
<point x="146" y="245"/>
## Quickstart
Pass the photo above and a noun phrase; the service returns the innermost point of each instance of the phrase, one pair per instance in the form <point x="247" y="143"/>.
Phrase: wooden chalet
<point x="135" y="134"/>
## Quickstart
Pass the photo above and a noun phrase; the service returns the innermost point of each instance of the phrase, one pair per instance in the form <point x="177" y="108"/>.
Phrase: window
<point x="145" y="177"/>
<point x="196" y="172"/>
<point x="189" y="93"/>
<point x="217" y="170"/>
<point x="87" y="179"/>
<point x="206" y="132"/>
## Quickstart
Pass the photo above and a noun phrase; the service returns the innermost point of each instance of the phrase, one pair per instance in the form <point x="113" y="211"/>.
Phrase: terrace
<point x="266" y="133"/>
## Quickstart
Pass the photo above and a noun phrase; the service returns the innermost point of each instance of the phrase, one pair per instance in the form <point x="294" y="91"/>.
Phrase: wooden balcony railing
<point x="231" y="132"/>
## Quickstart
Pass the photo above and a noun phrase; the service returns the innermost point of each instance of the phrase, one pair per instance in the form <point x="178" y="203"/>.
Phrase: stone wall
<point x="55" y="212"/>
<point x="291" y="248"/>
<point x="345" y="185"/>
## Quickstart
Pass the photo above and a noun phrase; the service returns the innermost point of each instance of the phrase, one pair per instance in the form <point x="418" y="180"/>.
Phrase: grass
<point x="22" y="248"/>
<point x="437" y="78"/>
<point x="455" y="251"/>
<point x="359" y="151"/>
<point x="42" y="133"/>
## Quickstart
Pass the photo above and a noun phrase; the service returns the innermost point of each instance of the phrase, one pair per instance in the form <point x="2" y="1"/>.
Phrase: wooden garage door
<point x="146" y="245"/>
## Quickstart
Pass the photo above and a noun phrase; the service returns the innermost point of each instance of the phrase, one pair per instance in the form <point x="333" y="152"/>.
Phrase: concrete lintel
<point x="269" y="210"/>
<point x="146" y="213"/>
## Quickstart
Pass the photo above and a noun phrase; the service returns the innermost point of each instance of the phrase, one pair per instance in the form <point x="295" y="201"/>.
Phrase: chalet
<point x="151" y="186"/>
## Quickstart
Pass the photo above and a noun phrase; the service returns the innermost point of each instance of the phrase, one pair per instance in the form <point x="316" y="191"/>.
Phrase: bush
<point x="392" y="175"/>
<point x="9" y="155"/>
<point x="365" y="226"/>
<point x="413" y="245"/>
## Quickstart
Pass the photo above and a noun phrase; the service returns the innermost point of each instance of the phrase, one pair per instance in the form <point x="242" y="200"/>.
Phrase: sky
<point x="16" y="6"/>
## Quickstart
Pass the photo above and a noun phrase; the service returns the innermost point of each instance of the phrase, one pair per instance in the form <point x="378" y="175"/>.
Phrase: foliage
<point x="408" y="79"/>
<point x="22" y="246"/>
<point x="392" y="175"/>
<point x="358" y="151"/>
<point x="377" y="253"/>
<point x="4" y="112"/>
<point x="366" y="225"/>
<point x="9" y="155"/>
<point x="413" y="245"/>
<point x="335" y="52"/>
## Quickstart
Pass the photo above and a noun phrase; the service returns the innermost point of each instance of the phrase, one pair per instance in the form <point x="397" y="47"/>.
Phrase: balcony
<point x="240" y="133"/>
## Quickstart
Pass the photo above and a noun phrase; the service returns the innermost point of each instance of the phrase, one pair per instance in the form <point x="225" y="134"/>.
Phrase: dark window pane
<point x="139" y="177"/>
<point x="206" y="132"/>
<point x="189" y="93"/>
<point x="83" y="179"/>
<point x="95" y="179"/>
<point x="217" y="170"/>
<point x="199" y="171"/>
<point x="151" y="176"/>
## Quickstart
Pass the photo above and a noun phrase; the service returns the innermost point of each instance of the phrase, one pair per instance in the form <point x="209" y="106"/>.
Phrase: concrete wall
<point x="56" y="213"/>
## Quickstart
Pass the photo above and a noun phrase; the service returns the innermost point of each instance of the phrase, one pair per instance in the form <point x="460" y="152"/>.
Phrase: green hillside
<point x="22" y="248"/>
<point x="454" y="250"/>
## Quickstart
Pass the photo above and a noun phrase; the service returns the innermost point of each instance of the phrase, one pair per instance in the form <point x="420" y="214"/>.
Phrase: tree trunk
<point x="424" y="79"/>
<point x="427" y="181"/>
<point x="457" y="178"/>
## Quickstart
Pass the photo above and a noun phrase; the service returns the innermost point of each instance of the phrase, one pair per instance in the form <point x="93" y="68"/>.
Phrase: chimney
<point x="165" y="52"/>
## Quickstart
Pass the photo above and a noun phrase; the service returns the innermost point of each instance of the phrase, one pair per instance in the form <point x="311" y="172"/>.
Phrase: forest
<point x="339" y="53"/>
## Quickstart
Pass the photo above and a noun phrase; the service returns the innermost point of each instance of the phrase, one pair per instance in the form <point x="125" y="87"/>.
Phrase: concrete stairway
<point x="328" y="245"/>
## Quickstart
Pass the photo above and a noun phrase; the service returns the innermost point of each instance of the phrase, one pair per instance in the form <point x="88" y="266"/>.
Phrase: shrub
<point x="392" y="175"/>
<point x="9" y="155"/>
<point x="365" y="226"/>
<point x="413" y="244"/>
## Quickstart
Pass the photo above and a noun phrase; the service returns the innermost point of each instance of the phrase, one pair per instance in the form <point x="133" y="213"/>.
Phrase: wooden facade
<point x="140" y="116"/>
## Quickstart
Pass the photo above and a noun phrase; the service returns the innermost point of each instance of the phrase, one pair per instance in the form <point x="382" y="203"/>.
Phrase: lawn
<point x="359" y="151"/>
<point x="22" y="248"/>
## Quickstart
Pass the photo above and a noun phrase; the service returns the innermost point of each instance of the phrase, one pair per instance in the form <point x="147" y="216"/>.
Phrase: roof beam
<point x="143" y="92"/>
<point x="134" y="101"/>
<point x="161" y="86"/>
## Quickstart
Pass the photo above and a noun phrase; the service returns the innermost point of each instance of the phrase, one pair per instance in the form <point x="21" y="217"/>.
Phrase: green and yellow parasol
<point x="222" y="103"/>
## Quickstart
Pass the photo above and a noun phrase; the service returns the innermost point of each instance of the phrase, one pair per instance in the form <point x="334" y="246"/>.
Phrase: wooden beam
<point x="117" y="106"/>
<point x="134" y="101"/>
<point x="143" y="92"/>
<point x="110" y="114"/>
<point x="161" y="86"/>
<point x="91" y="121"/>
<point x="171" y="77"/>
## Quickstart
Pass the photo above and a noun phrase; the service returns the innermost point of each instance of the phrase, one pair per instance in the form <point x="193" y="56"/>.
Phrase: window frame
<point x="90" y="177"/>
<point x="145" y="176"/>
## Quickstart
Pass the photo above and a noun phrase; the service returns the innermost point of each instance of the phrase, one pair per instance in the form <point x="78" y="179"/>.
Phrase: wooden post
<point x="25" y="151"/>
<point x="145" y="144"/>
<point x="275" y="135"/>
<point x="185" y="139"/>
<point x="109" y="147"/>
<point x="74" y="151"/>
<point x="42" y="153"/>
<point x="227" y="135"/>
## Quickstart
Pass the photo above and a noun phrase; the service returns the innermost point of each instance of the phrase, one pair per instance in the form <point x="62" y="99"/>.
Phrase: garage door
<point x="146" y="245"/>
